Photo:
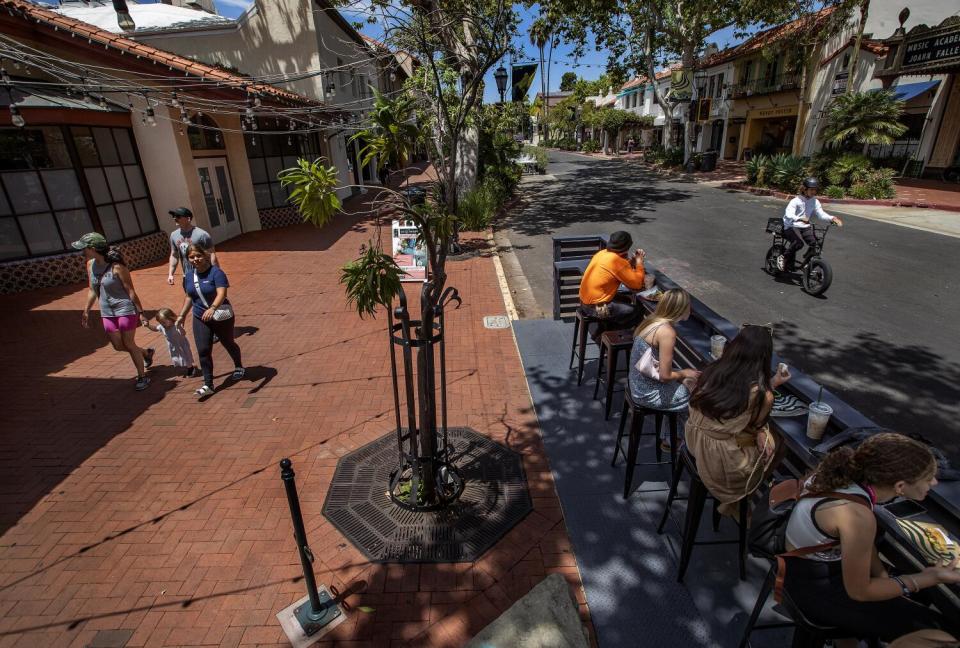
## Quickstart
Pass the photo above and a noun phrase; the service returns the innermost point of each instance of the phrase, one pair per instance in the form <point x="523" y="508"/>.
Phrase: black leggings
<point x="817" y="589"/>
<point x="796" y="238"/>
<point x="203" y="333"/>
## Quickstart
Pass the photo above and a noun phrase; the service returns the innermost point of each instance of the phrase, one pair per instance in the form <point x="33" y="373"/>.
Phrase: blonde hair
<point x="673" y="305"/>
<point x="166" y="313"/>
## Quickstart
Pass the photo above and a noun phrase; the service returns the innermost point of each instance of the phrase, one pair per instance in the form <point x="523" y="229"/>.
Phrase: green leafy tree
<point x="641" y="36"/>
<point x="391" y="133"/>
<point x="456" y="43"/>
<point x="864" y="118"/>
<point x="568" y="81"/>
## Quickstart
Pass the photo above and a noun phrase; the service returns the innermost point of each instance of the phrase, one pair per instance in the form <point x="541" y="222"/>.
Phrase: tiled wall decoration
<point x="279" y="217"/>
<point x="59" y="269"/>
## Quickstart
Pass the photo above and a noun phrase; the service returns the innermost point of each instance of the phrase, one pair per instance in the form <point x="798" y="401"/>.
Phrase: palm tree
<point x="864" y="118"/>
<point x="391" y="134"/>
<point x="539" y="37"/>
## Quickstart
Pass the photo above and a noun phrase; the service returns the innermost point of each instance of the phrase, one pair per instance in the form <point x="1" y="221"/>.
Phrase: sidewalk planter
<point x="758" y="191"/>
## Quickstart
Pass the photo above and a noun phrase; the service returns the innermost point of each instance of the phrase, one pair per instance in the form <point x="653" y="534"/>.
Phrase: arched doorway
<point x="210" y="159"/>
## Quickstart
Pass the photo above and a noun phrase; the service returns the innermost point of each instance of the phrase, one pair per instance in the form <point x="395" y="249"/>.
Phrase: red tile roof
<point x="767" y="37"/>
<point x="52" y="20"/>
<point x="873" y="46"/>
<point x="642" y="79"/>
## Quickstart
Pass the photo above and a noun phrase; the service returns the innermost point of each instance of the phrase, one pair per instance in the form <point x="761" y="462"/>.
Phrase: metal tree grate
<point x="494" y="500"/>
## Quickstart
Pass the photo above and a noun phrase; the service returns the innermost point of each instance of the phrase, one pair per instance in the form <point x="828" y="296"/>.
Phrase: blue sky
<point x="590" y="66"/>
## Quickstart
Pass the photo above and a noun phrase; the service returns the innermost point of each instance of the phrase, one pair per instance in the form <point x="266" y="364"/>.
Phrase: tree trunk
<point x="658" y="97"/>
<point x="689" y="134"/>
<point x="855" y="55"/>
<point x="803" y="110"/>
<point x="542" y="122"/>
<point x="467" y="158"/>
<point x="549" y="65"/>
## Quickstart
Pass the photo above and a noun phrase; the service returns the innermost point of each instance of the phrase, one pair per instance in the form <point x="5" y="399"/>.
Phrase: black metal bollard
<point x="321" y="609"/>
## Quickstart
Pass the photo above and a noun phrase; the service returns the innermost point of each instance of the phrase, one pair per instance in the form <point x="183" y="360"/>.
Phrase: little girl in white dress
<point x="177" y="344"/>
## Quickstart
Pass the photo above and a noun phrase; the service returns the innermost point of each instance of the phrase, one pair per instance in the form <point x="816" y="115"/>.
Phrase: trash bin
<point x="415" y="195"/>
<point x="709" y="161"/>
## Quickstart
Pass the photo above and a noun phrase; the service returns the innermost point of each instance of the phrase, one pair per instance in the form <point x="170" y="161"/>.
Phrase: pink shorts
<point x="120" y="323"/>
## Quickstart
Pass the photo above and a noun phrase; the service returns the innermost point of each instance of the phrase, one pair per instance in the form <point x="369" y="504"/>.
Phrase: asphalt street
<point x="884" y="337"/>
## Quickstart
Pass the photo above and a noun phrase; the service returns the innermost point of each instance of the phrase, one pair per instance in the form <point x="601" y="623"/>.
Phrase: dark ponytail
<point x="113" y="256"/>
<point x="882" y="460"/>
<point x="109" y="253"/>
<point x="837" y="470"/>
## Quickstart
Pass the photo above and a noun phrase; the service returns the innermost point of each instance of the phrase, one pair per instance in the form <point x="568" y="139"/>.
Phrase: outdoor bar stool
<point x="612" y="343"/>
<point x="806" y="634"/>
<point x="695" y="503"/>
<point x="637" y="415"/>
<point x="581" y="331"/>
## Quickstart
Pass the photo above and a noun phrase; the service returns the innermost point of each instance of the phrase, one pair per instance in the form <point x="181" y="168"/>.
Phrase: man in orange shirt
<point x="607" y="270"/>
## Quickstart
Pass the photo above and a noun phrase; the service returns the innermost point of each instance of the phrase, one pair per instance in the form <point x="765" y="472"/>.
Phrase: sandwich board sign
<point x="409" y="253"/>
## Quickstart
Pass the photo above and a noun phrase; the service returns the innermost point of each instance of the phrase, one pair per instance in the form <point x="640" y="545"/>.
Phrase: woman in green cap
<point x="120" y="308"/>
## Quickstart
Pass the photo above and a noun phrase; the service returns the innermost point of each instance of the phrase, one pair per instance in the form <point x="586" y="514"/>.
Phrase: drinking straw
<point x="820" y="395"/>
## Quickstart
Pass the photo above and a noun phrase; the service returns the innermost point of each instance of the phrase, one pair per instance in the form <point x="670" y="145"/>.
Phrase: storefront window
<point x="270" y="154"/>
<point x="46" y="202"/>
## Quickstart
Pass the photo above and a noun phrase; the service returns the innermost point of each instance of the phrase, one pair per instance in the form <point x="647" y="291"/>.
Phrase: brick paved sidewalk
<point x="154" y="518"/>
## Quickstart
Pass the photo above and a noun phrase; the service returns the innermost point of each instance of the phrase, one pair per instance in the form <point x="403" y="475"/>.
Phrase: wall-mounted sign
<point x="410" y="255"/>
<point x="938" y="46"/>
<point x="839" y="83"/>
<point x="781" y="111"/>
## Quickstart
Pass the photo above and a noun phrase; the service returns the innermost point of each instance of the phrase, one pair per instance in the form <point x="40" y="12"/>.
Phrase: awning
<point x="907" y="91"/>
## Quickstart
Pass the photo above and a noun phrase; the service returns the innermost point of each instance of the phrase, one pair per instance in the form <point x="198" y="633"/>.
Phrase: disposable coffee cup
<point x="717" y="342"/>
<point x="648" y="281"/>
<point x="818" y="415"/>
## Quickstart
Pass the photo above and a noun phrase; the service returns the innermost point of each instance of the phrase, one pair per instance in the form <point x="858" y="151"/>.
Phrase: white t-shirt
<point x="801" y="207"/>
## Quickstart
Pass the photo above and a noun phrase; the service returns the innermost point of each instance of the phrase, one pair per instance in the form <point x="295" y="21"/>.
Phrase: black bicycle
<point x="815" y="273"/>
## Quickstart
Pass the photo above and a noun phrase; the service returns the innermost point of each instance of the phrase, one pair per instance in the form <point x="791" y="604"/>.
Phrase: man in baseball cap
<point x="607" y="270"/>
<point x="182" y="237"/>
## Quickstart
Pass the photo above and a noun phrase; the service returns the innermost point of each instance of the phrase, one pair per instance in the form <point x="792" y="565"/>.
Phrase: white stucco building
<point x="307" y="47"/>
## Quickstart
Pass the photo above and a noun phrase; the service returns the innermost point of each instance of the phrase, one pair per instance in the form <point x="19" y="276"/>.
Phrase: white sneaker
<point x="203" y="392"/>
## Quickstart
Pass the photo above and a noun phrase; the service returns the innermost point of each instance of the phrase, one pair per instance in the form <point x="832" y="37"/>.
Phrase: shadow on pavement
<point x="601" y="191"/>
<point x="629" y="571"/>
<point x="928" y="394"/>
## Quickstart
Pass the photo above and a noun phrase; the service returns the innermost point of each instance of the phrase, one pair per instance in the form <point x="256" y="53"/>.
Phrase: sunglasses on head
<point x="768" y="326"/>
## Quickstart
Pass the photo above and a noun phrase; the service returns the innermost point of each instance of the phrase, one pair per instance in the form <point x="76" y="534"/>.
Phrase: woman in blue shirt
<point x="206" y="286"/>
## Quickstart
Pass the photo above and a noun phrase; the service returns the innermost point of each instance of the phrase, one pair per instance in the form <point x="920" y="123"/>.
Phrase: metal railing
<point x="764" y="86"/>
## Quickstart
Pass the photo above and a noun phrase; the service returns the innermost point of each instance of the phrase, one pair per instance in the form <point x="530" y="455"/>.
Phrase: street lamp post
<point x="501" y="77"/>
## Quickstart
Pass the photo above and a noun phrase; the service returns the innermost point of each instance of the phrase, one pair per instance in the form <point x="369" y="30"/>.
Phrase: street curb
<point x="502" y="278"/>
<point x="737" y="186"/>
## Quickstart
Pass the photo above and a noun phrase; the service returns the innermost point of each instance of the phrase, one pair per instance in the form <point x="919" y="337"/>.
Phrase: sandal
<point x="204" y="392"/>
<point x="238" y="373"/>
<point x="148" y="358"/>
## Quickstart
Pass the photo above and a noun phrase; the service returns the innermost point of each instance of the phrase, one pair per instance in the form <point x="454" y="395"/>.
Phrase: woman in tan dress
<point x="727" y="431"/>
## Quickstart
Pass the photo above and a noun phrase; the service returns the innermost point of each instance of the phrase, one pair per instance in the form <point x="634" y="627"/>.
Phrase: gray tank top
<point x="114" y="300"/>
<point x="802" y="529"/>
